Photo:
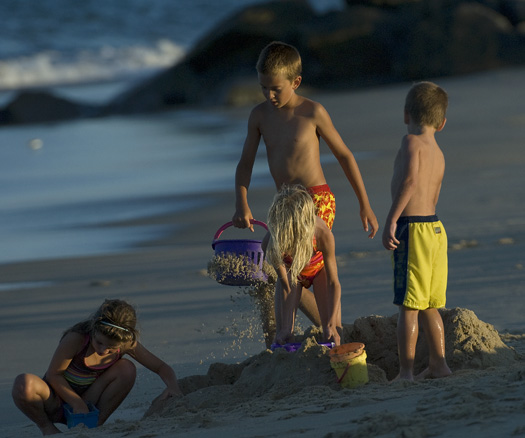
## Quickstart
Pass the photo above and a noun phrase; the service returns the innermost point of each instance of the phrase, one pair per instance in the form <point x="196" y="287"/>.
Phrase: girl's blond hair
<point x="291" y="223"/>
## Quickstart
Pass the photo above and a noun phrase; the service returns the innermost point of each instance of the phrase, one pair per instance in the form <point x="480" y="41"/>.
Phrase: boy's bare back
<point x="421" y="162"/>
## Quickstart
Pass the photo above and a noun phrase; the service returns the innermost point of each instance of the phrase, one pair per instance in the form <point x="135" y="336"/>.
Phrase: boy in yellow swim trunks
<point x="291" y="126"/>
<point x="415" y="234"/>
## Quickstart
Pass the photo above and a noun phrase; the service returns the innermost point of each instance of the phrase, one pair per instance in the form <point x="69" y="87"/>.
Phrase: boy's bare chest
<point x="288" y="132"/>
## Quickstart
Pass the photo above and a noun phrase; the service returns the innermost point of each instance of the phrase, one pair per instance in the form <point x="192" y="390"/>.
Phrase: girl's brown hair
<point x="115" y="319"/>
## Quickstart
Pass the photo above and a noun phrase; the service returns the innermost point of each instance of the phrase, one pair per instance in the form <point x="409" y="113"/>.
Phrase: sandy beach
<point x="211" y="335"/>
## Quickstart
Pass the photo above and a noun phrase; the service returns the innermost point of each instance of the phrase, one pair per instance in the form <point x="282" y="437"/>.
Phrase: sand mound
<point x="469" y="342"/>
<point x="268" y="374"/>
<point x="271" y="379"/>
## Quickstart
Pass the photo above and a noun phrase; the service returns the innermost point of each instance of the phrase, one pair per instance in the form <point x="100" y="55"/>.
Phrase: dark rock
<point x="382" y="3"/>
<point x="476" y="35"/>
<point x="514" y="10"/>
<point x="41" y="106"/>
<point x="348" y="48"/>
<point x="228" y="53"/>
<point x="370" y="42"/>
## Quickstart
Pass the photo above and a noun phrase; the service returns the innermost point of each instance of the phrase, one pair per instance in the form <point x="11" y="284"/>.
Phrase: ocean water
<point x="57" y="42"/>
<point x="54" y="42"/>
<point x="60" y="183"/>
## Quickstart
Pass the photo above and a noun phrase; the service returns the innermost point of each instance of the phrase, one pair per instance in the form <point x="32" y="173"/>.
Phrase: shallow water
<point x="60" y="183"/>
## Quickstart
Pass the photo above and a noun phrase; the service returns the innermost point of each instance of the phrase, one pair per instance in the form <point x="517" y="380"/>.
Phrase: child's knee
<point x="23" y="386"/>
<point x="126" y="370"/>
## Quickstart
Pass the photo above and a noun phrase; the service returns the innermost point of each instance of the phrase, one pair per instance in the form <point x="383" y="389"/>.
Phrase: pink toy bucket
<point x="250" y="249"/>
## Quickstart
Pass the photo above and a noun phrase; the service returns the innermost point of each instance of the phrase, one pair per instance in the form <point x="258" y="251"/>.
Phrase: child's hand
<point x="79" y="407"/>
<point x="331" y="335"/>
<point x="283" y="337"/>
<point x="368" y="218"/>
<point x="389" y="237"/>
<point x="241" y="219"/>
<point x="169" y="393"/>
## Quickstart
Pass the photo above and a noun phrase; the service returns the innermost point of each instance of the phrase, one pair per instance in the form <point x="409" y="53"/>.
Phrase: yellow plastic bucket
<point x="349" y="363"/>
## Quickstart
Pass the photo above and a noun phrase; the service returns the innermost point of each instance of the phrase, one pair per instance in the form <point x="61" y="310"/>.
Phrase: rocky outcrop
<point x="369" y="42"/>
<point x="41" y="106"/>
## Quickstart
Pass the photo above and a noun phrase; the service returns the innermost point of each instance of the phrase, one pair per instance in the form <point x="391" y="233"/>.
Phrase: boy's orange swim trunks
<point x="324" y="201"/>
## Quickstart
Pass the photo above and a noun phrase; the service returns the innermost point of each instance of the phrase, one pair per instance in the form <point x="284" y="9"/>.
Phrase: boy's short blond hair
<point x="426" y="103"/>
<point x="280" y="58"/>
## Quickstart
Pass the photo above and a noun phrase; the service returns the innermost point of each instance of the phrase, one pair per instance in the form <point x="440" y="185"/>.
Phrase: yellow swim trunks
<point x="420" y="263"/>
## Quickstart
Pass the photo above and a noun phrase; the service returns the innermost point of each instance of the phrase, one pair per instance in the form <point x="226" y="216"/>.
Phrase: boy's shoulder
<point x="416" y="141"/>
<point x="310" y="108"/>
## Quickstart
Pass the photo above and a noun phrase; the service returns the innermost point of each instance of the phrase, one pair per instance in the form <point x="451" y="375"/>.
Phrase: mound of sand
<point x="269" y="374"/>
<point x="470" y="343"/>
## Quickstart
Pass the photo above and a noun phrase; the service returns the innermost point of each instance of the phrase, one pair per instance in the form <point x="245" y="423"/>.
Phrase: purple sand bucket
<point x="249" y="248"/>
<point x="294" y="346"/>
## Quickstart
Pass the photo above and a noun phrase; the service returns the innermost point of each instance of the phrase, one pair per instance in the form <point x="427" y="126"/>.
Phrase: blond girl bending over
<point x="301" y="248"/>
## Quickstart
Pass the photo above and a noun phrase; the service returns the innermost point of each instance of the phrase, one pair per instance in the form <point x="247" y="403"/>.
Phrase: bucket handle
<point x="229" y="224"/>
<point x="340" y="379"/>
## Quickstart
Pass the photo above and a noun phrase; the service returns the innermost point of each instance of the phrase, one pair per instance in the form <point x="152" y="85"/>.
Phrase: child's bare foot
<point x="50" y="430"/>
<point x="427" y="373"/>
<point x="403" y="376"/>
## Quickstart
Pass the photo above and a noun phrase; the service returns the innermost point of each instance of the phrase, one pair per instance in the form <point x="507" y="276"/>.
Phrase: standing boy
<point x="290" y="126"/>
<point x="415" y="234"/>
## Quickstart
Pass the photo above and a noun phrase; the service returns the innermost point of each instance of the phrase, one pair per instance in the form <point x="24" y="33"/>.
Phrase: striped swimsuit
<point x="81" y="376"/>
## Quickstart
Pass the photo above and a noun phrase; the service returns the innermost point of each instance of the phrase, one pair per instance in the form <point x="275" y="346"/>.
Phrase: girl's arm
<point x="332" y="327"/>
<point x="68" y="347"/>
<point x="146" y="358"/>
<point x="287" y="298"/>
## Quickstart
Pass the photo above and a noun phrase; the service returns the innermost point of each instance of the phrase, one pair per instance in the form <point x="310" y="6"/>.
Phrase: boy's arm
<point x="349" y="165"/>
<point x="408" y="171"/>
<point x="243" y="174"/>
